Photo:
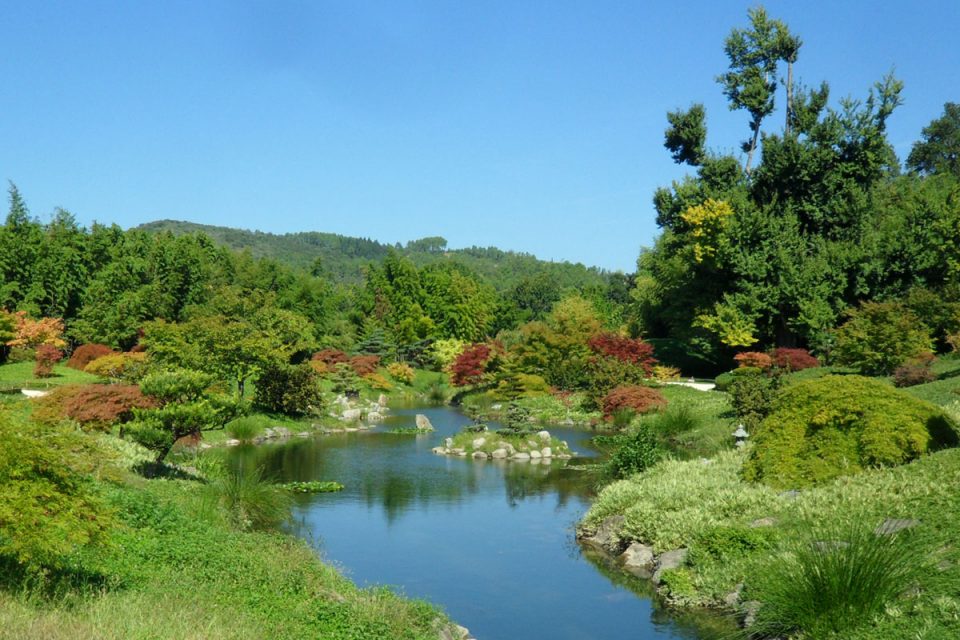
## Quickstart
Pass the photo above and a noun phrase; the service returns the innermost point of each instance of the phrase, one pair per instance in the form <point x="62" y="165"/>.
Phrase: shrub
<point x="444" y="352"/>
<point x="794" y="359"/>
<point x="401" y="372"/>
<point x="632" y="350"/>
<point x="752" y="394"/>
<point x="125" y="367"/>
<point x="606" y="374"/>
<point x="755" y="359"/>
<point x="839" y="425"/>
<point x="638" y="398"/>
<point x="663" y="373"/>
<point x="344" y="380"/>
<point x="289" y="389"/>
<point x="634" y="453"/>
<point x="246" y="428"/>
<point x="364" y="365"/>
<point x="47" y="356"/>
<point x="470" y="365"/>
<point x="87" y="353"/>
<point x="21" y="354"/>
<point x="49" y="504"/>
<point x="880" y="336"/>
<point x="94" y="406"/>
<point x="725" y="380"/>
<point x="834" y="578"/>
<point x="725" y="542"/>
<point x="378" y="382"/>
<point x="248" y="501"/>
<point x="676" y="420"/>
<point x="953" y="340"/>
<point x="330" y="357"/>
<point x="915" y="371"/>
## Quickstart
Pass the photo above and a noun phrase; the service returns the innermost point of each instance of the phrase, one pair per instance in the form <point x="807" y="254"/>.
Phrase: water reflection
<point x="490" y="541"/>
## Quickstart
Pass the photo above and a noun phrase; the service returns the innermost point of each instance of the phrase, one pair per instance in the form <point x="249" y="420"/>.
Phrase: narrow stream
<point x="490" y="542"/>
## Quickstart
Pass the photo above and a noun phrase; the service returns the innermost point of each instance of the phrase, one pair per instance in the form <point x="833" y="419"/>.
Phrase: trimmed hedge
<point x="840" y="425"/>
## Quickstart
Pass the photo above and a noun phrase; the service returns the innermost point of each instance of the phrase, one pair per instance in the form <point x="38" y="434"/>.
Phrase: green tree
<point x="939" y="150"/>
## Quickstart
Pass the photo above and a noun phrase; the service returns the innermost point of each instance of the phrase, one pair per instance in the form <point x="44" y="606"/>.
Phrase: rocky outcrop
<point x="423" y="423"/>
<point x="639" y="560"/>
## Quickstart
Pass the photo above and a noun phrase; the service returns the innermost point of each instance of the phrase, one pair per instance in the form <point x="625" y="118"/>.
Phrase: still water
<point x="490" y="542"/>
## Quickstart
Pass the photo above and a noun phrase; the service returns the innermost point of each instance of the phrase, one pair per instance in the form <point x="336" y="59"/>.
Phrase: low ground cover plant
<point x="840" y="425"/>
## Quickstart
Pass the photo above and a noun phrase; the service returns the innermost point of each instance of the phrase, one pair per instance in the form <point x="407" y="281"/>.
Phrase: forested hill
<point x="340" y="258"/>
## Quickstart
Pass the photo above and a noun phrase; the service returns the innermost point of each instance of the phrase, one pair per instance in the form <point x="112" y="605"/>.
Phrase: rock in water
<point x="351" y="415"/>
<point x="607" y="535"/>
<point x="374" y="416"/>
<point x="423" y="423"/>
<point x="638" y="559"/>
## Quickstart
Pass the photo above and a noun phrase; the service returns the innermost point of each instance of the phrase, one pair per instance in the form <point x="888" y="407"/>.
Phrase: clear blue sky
<point x="534" y="126"/>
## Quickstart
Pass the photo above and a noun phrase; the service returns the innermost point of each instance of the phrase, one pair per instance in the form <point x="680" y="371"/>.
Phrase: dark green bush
<point x="289" y="389"/>
<point x="752" y="394"/>
<point x="725" y="380"/>
<point x="633" y="453"/>
<point x="840" y="425"/>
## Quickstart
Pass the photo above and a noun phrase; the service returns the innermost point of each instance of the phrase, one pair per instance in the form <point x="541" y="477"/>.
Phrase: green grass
<point x="173" y="569"/>
<point x="711" y="416"/>
<point x="19" y="375"/>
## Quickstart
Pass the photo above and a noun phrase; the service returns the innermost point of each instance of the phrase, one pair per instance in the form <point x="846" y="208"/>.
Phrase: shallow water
<point x="490" y="542"/>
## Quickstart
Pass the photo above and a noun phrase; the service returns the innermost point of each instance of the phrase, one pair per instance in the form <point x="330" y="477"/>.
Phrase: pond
<point x="491" y="542"/>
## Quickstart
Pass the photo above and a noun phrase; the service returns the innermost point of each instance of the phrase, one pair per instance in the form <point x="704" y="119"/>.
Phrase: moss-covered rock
<point x="840" y="425"/>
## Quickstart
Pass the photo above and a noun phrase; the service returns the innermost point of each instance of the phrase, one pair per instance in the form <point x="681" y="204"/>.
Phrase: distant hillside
<point x="341" y="258"/>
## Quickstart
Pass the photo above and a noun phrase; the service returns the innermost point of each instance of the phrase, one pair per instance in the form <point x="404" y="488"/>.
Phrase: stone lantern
<point x="741" y="435"/>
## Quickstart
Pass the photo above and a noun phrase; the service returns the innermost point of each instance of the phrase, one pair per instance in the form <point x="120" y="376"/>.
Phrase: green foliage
<point x="840" y="425"/>
<point x="120" y="367"/>
<point x="249" y="501"/>
<point x="312" y="486"/>
<point x="292" y="390"/>
<point x="880" y="336"/>
<point x="633" y="453"/>
<point x="834" y="578"/>
<point x="49" y="503"/>
<point x="726" y="542"/>
<point x="939" y="150"/>
<point x="752" y="394"/>
<point x="246" y="428"/>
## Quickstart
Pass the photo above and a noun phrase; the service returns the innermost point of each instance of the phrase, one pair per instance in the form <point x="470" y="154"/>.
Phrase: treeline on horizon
<point x="776" y="251"/>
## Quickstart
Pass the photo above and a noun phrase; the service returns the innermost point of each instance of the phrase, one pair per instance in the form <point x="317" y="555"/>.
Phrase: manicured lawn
<point x="19" y="375"/>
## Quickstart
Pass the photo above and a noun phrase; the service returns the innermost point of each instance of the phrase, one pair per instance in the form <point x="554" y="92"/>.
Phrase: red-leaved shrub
<point x="87" y="353"/>
<point x="915" y="371"/>
<point x="330" y="357"/>
<point x="470" y="365"/>
<point x="634" y="397"/>
<point x="794" y="359"/>
<point x="94" y="406"/>
<point x="47" y="356"/>
<point x="364" y="365"/>
<point x="632" y="350"/>
<point x="755" y="359"/>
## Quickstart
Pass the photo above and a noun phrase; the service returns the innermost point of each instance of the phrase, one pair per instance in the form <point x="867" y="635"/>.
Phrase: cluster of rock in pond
<point x="539" y="447"/>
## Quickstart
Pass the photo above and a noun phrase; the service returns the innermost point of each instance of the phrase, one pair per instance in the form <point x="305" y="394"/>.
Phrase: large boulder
<point x="606" y="535"/>
<point x="639" y="560"/>
<point x="423" y="423"/>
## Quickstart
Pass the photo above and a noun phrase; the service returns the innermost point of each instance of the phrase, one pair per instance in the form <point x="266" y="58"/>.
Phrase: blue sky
<point x="534" y="126"/>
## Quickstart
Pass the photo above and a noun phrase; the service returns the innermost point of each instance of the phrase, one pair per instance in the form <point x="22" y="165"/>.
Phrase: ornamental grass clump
<point x="248" y="501"/>
<point x="833" y="578"/>
<point x="247" y="428"/>
<point x="840" y="425"/>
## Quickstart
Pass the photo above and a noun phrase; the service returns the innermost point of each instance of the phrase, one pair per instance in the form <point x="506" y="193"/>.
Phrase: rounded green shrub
<point x="725" y="380"/>
<point x="840" y="425"/>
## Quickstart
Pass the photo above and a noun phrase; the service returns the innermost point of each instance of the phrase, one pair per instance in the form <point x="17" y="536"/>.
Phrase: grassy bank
<point x="744" y="539"/>
<point x="174" y="563"/>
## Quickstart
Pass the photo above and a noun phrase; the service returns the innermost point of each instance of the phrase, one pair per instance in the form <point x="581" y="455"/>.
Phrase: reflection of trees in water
<point x="383" y="469"/>
<point x="701" y="624"/>
<point x="523" y="480"/>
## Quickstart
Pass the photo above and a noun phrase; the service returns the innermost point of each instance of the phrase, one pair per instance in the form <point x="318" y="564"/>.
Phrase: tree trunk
<point x="753" y="148"/>
<point x="786" y="129"/>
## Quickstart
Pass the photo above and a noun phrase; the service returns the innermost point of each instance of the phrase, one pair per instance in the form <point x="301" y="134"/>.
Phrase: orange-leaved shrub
<point x="364" y="365"/>
<point x="634" y="397"/>
<point x="756" y="359"/>
<point x="87" y="353"/>
<point x="330" y="357"/>
<point x="94" y="406"/>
